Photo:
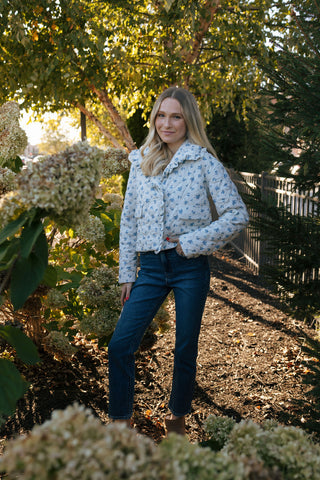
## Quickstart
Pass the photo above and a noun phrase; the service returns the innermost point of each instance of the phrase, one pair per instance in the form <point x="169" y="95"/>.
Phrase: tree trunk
<point x="97" y="122"/>
<point x="115" y="117"/>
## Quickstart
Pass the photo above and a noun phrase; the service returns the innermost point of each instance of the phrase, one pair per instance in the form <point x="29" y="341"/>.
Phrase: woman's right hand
<point x="125" y="292"/>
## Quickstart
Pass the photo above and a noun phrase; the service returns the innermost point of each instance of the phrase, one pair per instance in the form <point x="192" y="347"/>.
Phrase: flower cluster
<point x="287" y="449"/>
<point x="64" y="184"/>
<point x="193" y="461"/>
<point x="95" y="288"/>
<point x="101" y="323"/>
<point x="13" y="140"/>
<point x="55" y="299"/>
<point x="92" y="230"/>
<point x="74" y="445"/>
<point x="10" y="208"/>
<point x="115" y="162"/>
<point x="58" y="344"/>
<point x="219" y="428"/>
<point x="7" y="180"/>
<point x="115" y="201"/>
<point x="99" y="289"/>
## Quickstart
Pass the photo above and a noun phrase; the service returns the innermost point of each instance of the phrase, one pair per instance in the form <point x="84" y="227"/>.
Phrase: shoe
<point x="175" y="426"/>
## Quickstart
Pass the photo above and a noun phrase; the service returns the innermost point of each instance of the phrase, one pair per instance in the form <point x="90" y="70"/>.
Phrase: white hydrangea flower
<point x="115" y="162"/>
<point x="289" y="449"/>
<point x="75" y="445"/>
<point x="94" y="288"/>
<point x="219" y="428"/>
<point x="13" y="140"/>
<point x="7" y="180"/>
<point x="11" y="206"/>
<point x="63" y="184"/>
<point x="101" y="323"/>
<point x="92" y="230"/>
<point x="58" y="344"/>
<point x="55" y="299"/>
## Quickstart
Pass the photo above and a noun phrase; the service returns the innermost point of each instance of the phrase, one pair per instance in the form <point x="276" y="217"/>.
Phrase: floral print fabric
<point x="175" y="204"/>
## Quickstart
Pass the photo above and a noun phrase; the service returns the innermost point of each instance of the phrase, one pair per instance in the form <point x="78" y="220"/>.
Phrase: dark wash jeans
<point x="159" y="274"/>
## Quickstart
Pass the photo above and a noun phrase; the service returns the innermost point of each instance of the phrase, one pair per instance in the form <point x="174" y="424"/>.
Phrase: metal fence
<point x="283" y="192"/>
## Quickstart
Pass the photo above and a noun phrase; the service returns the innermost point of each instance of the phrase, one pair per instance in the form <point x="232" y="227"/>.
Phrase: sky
<point x="35" y="129"/>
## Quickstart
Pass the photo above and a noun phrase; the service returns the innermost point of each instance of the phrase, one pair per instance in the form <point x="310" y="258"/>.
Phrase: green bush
<point x="75" y="445"/>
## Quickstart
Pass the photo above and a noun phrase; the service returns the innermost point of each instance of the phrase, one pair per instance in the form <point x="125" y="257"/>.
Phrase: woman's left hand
<point x="178" y="247"/>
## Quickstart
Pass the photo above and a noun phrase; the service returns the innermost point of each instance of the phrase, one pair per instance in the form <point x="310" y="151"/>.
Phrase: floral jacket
<point x="175" y="204"/>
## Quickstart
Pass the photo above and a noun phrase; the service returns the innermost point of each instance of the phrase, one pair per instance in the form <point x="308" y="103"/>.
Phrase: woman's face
<point x="170" y="124"/>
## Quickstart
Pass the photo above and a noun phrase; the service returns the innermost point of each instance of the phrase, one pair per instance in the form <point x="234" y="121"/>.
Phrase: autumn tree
<point x="121" y="54"/>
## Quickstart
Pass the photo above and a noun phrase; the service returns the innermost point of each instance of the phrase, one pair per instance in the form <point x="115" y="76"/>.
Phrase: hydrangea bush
<point x="54" y="231"/>
<point x="76" y="445"/>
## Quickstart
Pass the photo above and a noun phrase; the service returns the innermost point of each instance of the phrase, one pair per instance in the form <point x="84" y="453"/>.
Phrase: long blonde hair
<point x="156" y="154"/>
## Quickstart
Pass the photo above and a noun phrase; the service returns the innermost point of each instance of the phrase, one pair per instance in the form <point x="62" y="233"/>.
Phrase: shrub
<point x="76" y="445"/>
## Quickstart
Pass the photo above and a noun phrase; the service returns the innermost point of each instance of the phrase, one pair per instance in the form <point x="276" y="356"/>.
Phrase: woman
<point x="167" y="223"/>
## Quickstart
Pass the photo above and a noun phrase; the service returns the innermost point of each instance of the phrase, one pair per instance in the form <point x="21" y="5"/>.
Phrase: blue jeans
<point x="159" y="274"/>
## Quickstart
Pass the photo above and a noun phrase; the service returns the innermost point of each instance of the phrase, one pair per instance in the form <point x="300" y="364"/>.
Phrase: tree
<point x="54" y="139"/>
<point x="237" y="141"/>
<point x="121" y="54"/>
<point x="291" y="119"/>
<point x="291" y="124"/>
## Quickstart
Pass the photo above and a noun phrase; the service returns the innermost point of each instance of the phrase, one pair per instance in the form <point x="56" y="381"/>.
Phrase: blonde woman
<point x="166" y="222"/>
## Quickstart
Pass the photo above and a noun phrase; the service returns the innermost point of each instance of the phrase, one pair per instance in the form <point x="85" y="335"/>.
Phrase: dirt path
<point x="249" y="365"/>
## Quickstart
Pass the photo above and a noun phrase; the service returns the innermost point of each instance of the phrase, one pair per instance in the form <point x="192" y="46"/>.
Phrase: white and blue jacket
<point x="175" y="204"/>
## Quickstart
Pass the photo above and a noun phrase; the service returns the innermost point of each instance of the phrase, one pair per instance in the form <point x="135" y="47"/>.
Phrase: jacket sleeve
<point x="232" y="212"/>
<point x="128" y="228"/>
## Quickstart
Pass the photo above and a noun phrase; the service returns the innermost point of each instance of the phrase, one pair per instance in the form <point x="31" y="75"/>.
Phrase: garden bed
<point x="250" y="365"/>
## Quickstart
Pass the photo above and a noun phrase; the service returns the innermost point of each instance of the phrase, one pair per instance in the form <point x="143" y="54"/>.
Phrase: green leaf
<point x="22" y="344"/>
<point x="52" y="326"/>
<point x="12" y="387"/>
<point x="50" y="276"/>
<point x="27" y="273"/>
<point x="9" y="251"/>
<point x="29" y="237"/>
<point x="13" y="227"/>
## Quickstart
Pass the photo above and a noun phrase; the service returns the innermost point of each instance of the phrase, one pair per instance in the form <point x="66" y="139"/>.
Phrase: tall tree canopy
<point x="291" y="119"/>
<point x="57" y="54"/>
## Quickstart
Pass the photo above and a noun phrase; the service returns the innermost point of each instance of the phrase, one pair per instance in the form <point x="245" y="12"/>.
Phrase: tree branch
<point x="115" y="117"/>
<point x="97" y="122"/>
<point x="210" y="8"/>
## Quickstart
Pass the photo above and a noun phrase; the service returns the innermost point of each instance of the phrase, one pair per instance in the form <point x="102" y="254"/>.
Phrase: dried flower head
<point x="64" y="184"/>
<point x="101" y="323"/>
<point x="55" y="299"/>
<point x="115" y="162"/>
<point x="94" y="288"/>
<point x="13" y="140"/>
<point x="92" y="230"/>
<point x="75" y="445"/>
<point x="58" y="344"/>
<point x="7" y="180"/>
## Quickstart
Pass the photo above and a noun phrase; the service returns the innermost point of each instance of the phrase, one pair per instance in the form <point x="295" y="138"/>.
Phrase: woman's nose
<point x="167" y="121"/>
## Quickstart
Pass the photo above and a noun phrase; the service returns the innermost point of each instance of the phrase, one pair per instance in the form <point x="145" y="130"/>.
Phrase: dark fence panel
<point x="283" y="192"/>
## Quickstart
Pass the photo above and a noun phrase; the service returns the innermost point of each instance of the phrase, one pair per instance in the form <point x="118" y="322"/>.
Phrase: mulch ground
<point x="250" y="365"/>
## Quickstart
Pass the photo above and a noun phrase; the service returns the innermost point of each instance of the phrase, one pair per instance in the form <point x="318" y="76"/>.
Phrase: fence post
<point x="263" y="258"/>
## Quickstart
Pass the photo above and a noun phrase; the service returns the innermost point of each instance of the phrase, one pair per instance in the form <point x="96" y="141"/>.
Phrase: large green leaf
<point x="50" y="276"/>
<point x="28" y="272"/>
<point x="12" y="387"/>
<point x="9" y="251"/>
<point x="29" y="237"/>
<point x="13" y="227"/>
<point x="22" y="344"/>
